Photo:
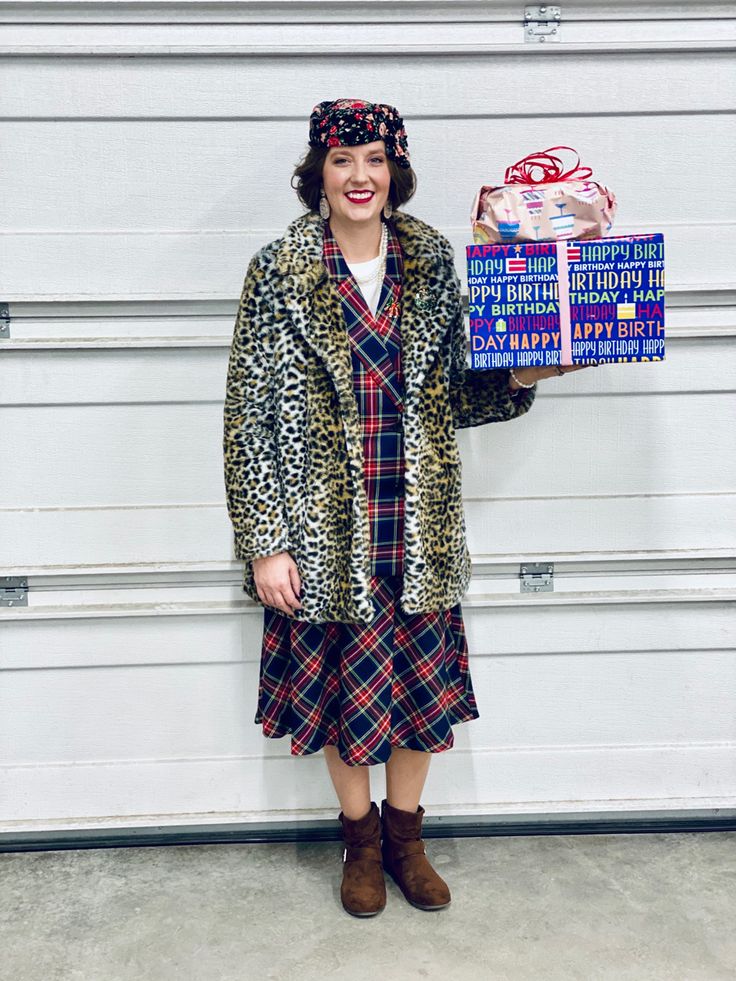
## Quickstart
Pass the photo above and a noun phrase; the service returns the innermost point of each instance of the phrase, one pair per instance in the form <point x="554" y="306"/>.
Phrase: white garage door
<point x="143" y="164"/>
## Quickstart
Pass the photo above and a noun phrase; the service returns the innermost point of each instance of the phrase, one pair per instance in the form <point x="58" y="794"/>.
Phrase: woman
<point x="347" y="379"/>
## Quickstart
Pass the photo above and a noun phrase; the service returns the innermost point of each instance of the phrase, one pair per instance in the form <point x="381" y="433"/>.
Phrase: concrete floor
<point x="648" y="907"/>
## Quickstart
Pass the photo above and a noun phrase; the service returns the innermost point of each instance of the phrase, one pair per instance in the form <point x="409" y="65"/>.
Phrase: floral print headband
<point x="349" y="122"/>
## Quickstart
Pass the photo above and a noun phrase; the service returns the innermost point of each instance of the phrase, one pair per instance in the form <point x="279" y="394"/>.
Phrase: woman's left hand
<point x="533" y="374"/>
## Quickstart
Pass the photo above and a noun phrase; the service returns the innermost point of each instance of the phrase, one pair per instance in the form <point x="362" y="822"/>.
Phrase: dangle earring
<point x="387" y="209"/>
<point x="324" y="205"/>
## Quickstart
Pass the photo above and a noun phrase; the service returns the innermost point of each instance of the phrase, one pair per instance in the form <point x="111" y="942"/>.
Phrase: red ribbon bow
<point x="550" y="165"/>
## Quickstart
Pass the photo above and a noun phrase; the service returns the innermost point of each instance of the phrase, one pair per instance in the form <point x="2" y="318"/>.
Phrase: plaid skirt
<point x="401" y="681"/>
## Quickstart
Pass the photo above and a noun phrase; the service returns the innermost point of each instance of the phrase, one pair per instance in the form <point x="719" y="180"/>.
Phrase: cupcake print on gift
<point x="508" y="228"/>
<point x="587" y="192"/>
<point x="533" y="199"/>
<point x="563" y="223"/>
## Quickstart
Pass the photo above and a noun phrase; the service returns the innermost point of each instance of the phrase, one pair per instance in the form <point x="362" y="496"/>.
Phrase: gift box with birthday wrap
<point x="541" y="200"/>
<point x="566" y="302"/>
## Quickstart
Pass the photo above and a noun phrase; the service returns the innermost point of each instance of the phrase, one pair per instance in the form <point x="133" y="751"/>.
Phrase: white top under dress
<point x="371" y="293"/>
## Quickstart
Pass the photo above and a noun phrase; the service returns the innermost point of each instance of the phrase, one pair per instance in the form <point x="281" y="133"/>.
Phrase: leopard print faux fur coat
<point x="292" y="435"/>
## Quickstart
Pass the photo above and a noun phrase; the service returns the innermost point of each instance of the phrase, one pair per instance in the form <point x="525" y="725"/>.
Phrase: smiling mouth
<point x="362" y="198"/>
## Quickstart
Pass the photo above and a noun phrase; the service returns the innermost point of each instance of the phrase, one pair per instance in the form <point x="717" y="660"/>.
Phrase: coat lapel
<point x="315" y="306"/>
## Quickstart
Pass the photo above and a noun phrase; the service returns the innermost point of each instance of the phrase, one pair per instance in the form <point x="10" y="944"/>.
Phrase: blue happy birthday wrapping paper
<point x="566" y="302"/>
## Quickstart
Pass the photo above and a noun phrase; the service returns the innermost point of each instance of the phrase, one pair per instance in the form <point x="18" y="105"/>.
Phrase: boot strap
<point x="407" y="848"/>
<point x="352" y="853"/>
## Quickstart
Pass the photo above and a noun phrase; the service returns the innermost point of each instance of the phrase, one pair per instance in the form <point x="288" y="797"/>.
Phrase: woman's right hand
<point x="277" y="581"/>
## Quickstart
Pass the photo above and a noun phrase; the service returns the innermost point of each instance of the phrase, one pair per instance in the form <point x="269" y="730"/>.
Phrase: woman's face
<point x="356" y="168"/>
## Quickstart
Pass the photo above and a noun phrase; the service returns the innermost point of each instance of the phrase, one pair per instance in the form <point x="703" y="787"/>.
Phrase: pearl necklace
<point x="381" y="270"/>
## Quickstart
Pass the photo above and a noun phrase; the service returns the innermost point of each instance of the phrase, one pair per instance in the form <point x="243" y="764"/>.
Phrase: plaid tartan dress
<point x="404" y="680"/>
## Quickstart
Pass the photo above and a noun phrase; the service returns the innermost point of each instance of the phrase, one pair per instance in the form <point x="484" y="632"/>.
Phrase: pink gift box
<point x="539" y="207"/>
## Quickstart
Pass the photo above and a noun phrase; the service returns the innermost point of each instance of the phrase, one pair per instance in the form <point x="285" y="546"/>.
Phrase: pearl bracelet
<point x="519" y="382"/>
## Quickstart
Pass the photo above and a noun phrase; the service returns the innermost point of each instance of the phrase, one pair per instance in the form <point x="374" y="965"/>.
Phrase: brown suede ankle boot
<point x="363" y="888"/>
<point x="405" y="861"/>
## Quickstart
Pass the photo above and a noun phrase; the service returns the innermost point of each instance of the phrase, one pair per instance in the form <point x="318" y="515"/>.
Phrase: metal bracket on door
<point x="4" y="320"/>
<point x="13" y="591"/>
<point x="541" y="23"/>
<point x="536" y="577"/>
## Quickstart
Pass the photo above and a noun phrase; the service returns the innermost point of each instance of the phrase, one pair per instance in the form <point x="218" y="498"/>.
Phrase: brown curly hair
<point x="308" y="173"/>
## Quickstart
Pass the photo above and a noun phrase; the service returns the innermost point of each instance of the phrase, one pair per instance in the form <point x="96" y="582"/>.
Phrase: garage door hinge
<point x="4" y="320"/>
<point x="541" y="23"/>
<point x="14" y="591"/>
<point x="536" y="577"/>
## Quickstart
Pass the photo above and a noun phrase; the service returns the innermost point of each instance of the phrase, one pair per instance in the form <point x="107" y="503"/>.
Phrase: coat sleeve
<point x="252" y="479"/>
<point x="478" y="397"/>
